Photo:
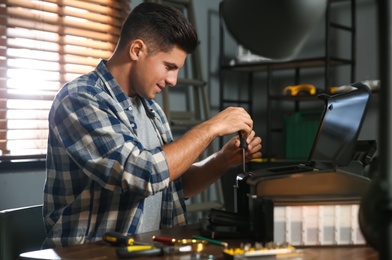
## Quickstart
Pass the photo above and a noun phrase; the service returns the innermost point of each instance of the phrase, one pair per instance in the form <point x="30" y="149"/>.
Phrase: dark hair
<point x="160" y="27"/>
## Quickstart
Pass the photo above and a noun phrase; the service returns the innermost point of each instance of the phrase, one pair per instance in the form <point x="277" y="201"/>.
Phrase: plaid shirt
<point x="98" y="173"/>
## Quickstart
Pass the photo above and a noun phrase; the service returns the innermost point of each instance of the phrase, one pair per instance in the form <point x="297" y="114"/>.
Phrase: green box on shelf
<point x="299" y="133"/>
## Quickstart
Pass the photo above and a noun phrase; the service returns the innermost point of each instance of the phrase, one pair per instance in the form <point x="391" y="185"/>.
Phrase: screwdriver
<point x="116" y="239"/>
<point x="243" y="146"/>
<point x="126" y="252"/>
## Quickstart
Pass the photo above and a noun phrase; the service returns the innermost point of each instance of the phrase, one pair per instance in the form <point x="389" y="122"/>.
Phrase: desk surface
<point x="101" y="250"/>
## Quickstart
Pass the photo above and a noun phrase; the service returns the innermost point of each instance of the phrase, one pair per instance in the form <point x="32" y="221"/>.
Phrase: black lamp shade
<point x="274" y="29"/>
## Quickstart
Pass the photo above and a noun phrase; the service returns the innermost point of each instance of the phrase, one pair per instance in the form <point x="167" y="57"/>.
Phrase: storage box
<point x="299" y="132"/>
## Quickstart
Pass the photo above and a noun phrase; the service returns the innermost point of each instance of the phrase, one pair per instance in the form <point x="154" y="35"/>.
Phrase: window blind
<point x="43" y="45"/>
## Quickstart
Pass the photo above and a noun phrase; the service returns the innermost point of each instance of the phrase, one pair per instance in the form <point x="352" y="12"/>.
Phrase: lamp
<point x="273" y="29"/>
<point x="278" y="30"/>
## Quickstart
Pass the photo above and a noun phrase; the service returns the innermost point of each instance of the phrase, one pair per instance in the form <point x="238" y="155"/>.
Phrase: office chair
<point x="21" y="230"/>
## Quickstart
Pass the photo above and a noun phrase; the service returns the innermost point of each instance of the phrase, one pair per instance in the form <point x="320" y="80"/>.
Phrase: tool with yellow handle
<point x="128" y="252"/>
<point x="116" y="239"/>
<point x="295" y="90"/>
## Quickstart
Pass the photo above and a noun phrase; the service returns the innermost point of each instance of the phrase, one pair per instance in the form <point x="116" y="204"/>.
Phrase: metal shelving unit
<point x="327" y="62"/>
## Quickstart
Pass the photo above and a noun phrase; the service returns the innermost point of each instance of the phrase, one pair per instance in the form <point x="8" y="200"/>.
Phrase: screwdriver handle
<point x="117" y="239"/>
<point x="164" y="239"/>
<point x="243" y="143"/>
<point x="123" y="252"/>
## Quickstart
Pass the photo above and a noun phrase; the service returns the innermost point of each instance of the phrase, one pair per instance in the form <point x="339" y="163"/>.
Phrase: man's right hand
<point x="231" y="120"/>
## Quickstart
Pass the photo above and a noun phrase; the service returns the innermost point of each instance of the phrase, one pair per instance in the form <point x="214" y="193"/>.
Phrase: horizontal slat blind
<point x="43" y="45"/>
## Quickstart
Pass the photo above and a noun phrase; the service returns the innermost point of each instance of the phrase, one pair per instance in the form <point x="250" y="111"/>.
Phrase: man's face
<point x="154" y="72"/>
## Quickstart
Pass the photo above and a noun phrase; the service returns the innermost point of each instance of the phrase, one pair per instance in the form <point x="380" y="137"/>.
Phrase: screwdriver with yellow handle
<point x="117" y="239"/>
<point x="128" y="251"/>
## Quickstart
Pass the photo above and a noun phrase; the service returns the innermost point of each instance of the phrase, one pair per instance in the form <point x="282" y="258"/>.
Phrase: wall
<point x="24" y="187"/>
<point x="21" y="187"/>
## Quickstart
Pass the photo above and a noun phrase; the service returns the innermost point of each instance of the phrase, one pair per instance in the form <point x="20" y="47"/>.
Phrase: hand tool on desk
<point x="117" y="239"/>
<point x="174" y="241"/>
<point x="243" y="146"/>
<point x="270" y="251"/>
<point x="127" y="252"/>
<point x="212" y="241"/>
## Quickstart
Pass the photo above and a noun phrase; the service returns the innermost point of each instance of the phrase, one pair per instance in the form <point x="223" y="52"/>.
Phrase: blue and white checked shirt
<point x="98" y="173"/>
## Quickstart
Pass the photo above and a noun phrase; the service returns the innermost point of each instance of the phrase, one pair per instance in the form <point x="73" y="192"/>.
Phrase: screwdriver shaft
<point x="243" y="146"/>
<point x="243" y="160"/>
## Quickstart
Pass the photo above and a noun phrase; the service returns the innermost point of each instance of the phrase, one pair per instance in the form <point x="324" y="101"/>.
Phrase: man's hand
<point x="183" y="152"/>
<point x="231" y="120"/>
<point x="232" y="152"/>
<point x="201" y="174"/>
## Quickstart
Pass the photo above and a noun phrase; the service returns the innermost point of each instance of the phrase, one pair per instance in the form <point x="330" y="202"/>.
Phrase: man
<point x="112" y="164"/>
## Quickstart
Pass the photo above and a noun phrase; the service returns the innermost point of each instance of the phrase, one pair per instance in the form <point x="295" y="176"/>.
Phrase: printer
<point x="333" y="173"/>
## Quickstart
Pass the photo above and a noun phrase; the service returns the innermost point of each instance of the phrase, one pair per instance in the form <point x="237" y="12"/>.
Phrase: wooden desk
<point x="101" y="250"/>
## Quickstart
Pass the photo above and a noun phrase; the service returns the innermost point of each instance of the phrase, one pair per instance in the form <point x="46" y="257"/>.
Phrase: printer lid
<point x="340" y="126"/>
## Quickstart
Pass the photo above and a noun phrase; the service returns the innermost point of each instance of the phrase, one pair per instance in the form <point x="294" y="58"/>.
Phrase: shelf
<point x="295" y="98"/>
<point x="326" y="63"/>
<point x="293" y="64"/>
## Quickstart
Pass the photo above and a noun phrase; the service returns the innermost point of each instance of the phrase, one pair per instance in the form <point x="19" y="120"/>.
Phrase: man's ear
<point x="136" y="48"/>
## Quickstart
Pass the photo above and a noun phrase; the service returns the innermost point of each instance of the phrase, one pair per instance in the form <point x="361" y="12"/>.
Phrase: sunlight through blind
<point x="43" y="45"/>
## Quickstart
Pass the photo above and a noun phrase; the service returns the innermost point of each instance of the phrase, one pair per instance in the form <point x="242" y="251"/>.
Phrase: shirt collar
<point x="112" y="86"/>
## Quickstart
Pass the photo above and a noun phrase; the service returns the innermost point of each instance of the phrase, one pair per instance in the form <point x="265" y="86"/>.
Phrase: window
<point x="43" y="45"/>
